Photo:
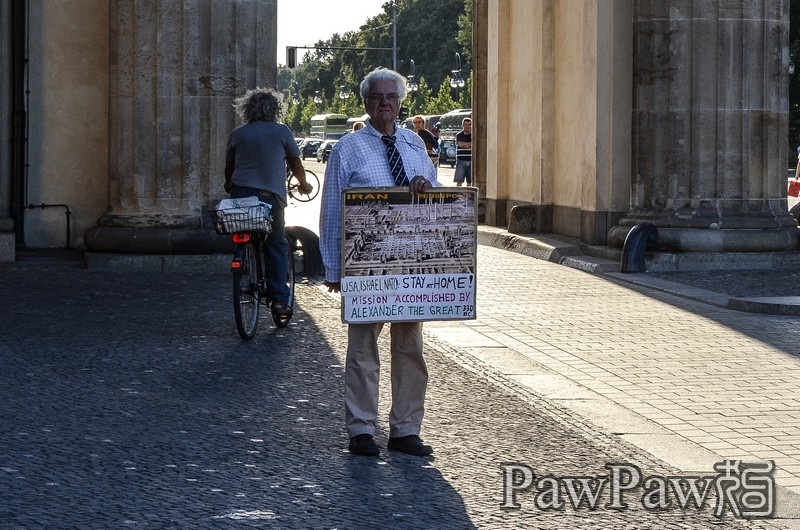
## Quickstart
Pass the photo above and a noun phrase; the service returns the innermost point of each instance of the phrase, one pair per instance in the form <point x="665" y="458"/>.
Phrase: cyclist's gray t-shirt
<point x="258" y="151"/>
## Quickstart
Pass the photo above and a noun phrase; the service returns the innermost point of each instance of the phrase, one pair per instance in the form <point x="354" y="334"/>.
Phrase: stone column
<point x="479" y="101"/>
<point x="710" y="120"/>
<point x="7" y="235"/>
<point x="175" y="67"/>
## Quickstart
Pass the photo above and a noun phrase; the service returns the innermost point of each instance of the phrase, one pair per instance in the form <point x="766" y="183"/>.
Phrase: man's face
<point x="468" y="127"/>
<point x="382" y="103"/>
<point x="419" y="124"/>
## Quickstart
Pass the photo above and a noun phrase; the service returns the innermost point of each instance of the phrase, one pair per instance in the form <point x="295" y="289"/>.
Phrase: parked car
<point x="447" y="151"/>
<point x="309" y="147"/>
<point x="324" y="150"/>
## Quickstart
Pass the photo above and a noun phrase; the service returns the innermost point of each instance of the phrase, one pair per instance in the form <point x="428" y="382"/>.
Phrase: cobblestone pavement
<point x="128" y="401"/>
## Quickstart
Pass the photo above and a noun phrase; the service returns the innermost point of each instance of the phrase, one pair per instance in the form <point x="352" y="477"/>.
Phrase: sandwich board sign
<point x="408" y="257"/>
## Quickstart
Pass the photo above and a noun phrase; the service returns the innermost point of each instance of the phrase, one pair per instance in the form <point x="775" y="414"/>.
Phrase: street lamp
<point x="344" y="92"/>
<point x="295" y="93"/>
<point x="456" y="81"/>
<point x="411" y="84"/>
<point x="317" y="97"/>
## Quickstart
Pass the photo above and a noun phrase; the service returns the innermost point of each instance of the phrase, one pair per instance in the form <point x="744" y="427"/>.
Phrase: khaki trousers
<point x="362" y="376"/>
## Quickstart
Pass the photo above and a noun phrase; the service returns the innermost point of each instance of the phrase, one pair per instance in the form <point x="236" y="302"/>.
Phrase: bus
<point x="352" y="121"/>
<point x="328" y="126"/>
<point x="449" y="126"/>
<point x="430" y="123"/>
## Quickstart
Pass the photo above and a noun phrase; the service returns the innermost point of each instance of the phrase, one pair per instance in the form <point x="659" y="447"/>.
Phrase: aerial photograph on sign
<point x="390" y="231"/>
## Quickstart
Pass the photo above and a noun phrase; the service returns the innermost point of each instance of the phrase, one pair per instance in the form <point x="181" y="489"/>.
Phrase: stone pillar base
<point x="8" y="245"/>
<point x="719" y="240"/>
<point x="156" y="240"/>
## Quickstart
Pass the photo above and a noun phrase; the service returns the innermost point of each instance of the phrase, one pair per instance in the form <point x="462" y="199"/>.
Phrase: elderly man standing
<point x="380" y="154"/>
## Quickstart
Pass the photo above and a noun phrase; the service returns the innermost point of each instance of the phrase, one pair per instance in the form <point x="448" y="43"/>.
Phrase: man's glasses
<point x="378" y="98"/>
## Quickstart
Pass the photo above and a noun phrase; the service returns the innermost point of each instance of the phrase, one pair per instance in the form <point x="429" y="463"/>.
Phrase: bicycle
<point x="292" y="184"/>
<point x="249" y="225"/>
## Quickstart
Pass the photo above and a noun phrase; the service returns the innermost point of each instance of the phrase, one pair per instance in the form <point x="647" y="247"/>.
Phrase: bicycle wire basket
<point x="242" y="215"/>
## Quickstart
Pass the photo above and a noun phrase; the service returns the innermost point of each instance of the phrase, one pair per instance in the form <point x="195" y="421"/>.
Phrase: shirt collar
<point x="376" y="132"/>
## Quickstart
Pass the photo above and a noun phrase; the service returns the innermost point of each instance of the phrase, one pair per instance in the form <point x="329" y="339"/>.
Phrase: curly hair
<point x="258" y="104"/>
<point x="384" y="74"/>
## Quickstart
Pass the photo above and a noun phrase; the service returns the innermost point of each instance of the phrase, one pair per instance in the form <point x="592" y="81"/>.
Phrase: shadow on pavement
<point x="129" y="400"/>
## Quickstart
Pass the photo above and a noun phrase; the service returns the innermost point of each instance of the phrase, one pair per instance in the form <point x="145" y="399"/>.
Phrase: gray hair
<point x="383" y="74"/>
<point x="258" y="104"/>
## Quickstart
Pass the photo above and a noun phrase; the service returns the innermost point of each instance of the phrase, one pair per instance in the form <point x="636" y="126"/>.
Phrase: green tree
<point x="794" y="83"/>
<point x="443" y="102"/>
<point x="464" y="36"/>
<point x="309" y="110"/>
<point x="419" y="102"/>
<point x="465" y="94"/>
<point x="429" y="32"/>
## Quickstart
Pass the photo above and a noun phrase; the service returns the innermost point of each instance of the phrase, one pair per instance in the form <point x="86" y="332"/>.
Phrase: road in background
<point x="306" y="214"/>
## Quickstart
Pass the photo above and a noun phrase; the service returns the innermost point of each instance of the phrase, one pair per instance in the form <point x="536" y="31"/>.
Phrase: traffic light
<point x="291" y="56"/>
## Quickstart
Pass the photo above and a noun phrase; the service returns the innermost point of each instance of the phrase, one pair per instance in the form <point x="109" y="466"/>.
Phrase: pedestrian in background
<point x="464" y="154"/>
<point x="362" y="159"/>
<point x="797" y="166"/>
<point x="255" y="165"/>
<point x="431" y="142"/>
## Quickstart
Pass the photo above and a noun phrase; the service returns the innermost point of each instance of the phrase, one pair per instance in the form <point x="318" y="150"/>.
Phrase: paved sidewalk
<point x="127" y="400"/>
<point x="660" y="360"/>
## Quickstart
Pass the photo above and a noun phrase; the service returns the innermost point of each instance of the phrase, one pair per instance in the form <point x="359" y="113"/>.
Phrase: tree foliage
<point x="429" y="32"/>
<point x="794" y="84"/>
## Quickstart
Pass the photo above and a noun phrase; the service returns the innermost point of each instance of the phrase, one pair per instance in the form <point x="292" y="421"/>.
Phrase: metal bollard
<point x="638" y="239"/>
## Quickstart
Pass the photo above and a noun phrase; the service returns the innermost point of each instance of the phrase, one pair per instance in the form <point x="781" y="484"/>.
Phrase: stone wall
<point x="600" y="115"/>
<point x="129" y="108"/>
<point x="68" y="120"/>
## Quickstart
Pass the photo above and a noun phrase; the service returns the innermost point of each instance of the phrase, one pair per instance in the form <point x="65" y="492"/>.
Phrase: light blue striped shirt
<point x="358" y="160"/>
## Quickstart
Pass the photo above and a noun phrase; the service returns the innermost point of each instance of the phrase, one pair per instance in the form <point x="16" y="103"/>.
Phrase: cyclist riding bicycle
<point x="255" y="165"/>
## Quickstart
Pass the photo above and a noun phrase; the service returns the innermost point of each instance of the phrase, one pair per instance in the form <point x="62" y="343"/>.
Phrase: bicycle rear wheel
<point x="282" y="320"/>
<point x="245" y="290"/>
<point x="293" y="183"/>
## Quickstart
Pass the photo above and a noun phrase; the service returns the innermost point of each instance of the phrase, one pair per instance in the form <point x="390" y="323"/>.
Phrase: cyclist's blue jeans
<point x="276" y="250"/>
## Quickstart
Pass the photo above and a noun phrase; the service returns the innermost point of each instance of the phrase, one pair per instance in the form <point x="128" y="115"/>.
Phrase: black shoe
<point x="363" y="445"/>
<point x="411" y="445"/>
<point x="279" y="309"/>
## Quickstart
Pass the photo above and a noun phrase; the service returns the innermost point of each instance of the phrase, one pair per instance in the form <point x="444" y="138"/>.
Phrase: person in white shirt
<point x="360" y="159"/>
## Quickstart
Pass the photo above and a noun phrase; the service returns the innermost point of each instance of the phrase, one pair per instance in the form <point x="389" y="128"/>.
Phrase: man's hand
<point x="333" y="287"/>
<point x="419" y="184"/>
<point x="305" y="188"/>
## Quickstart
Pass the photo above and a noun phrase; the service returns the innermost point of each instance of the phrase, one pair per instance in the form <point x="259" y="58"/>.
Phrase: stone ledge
<point x="771" y="305"/>
<point x="109" y="261"/>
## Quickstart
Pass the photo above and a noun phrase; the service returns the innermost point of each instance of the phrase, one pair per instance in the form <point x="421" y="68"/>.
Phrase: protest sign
<point x="408" y="257"/>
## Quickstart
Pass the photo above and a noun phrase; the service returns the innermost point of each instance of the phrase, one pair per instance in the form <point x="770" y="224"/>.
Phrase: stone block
<point x="7" y="247"/>
<point x="522" y="219"/>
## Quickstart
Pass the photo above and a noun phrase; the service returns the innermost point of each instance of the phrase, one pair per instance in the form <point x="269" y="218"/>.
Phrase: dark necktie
<point x="395" y="162"/>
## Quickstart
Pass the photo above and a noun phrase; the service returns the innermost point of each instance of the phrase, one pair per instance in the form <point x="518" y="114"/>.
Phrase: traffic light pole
<point x="291" y="51"/>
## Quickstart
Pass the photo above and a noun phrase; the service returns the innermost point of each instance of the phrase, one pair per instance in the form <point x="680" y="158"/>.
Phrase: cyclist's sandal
<point x="282" y="310"/>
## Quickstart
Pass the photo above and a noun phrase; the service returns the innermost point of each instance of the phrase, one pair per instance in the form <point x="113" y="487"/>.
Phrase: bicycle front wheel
<point x="245" y="290"/>
<point x="293" y="183"/>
